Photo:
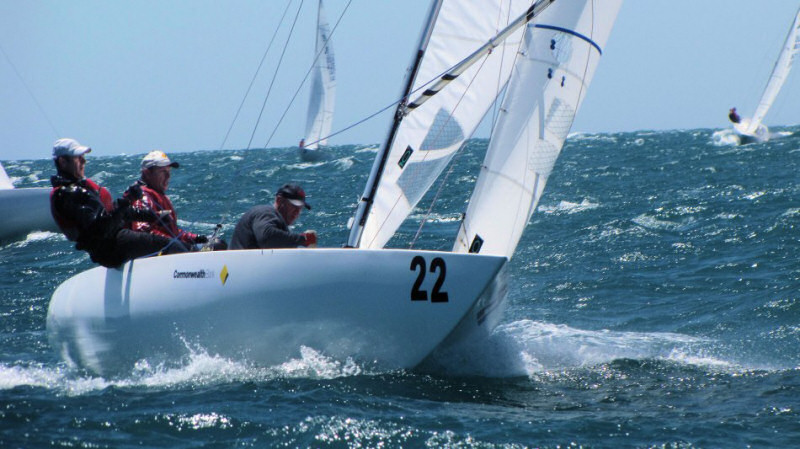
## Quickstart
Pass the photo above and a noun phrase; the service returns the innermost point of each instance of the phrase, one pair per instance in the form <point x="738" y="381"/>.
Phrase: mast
<point x="358" y="220"/>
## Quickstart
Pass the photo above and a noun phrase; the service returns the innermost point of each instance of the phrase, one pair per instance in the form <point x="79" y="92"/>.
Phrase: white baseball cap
<point x="69" y="147"/>
<point x="158" y="159"/>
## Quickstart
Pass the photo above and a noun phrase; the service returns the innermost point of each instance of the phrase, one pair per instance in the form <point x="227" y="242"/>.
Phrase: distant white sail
<point x="323" y="87"/>
<point x="5" y="182"/>
<point x="427" y="138"/>
<point x="561" y="52"/>
<point x="779" y="74"/>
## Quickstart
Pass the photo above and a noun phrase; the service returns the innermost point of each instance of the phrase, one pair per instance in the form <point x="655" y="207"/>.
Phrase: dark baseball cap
<point x="295" y="194"/>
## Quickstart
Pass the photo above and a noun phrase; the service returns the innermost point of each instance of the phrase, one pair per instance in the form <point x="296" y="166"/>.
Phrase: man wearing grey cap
<point x="87" y="215"/>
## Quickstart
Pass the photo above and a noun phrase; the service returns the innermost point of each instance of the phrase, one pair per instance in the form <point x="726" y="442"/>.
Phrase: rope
<point x="275" y="74"/>
<point x="308" y="72"/>
<point x="38" y="105"/>
<point x="451" y="164"/>
<point x="255" y="75"/>
<point x="460" y="151"/>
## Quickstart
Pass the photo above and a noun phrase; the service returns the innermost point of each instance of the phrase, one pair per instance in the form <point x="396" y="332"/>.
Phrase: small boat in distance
<point x="751" y="130"/>
<point x="323" y="92"/>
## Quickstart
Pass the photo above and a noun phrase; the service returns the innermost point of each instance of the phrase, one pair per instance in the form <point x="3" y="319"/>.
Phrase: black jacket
<point x="87" y="216"/>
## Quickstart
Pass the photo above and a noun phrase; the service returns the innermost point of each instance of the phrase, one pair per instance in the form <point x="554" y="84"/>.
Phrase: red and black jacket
<point x="166" y="226"/>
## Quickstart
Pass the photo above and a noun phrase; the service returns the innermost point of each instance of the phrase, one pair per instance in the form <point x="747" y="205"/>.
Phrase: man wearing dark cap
<point x="156" y="172"/>
<point x="267" y="226"/>
<point x="86" y="214"/>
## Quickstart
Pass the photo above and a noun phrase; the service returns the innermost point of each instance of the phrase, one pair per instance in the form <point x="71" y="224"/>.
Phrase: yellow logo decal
<point x="223" y="275"/>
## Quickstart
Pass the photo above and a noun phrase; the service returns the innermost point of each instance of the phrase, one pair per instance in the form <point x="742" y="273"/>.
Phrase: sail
<point x="779" y="74"/>
<point x="424" y="141"/>
<point x="561" y="51"/>
<point x="323" y="87"/>
<point x="5" y="182"/>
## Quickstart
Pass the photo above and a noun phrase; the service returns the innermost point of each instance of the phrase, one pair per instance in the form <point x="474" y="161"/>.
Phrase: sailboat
<point x="323" y="92"/>
<point x="23" y="210"/>
<point x="390" y="308"/>
<point x="750" y="130"/>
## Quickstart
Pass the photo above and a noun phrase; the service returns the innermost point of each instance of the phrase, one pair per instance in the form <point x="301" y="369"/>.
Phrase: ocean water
<point x="654" y="302"/>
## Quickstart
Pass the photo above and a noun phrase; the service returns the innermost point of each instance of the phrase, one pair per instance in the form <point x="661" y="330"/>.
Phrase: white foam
<point x="650" y="222"/>
<point x="526" y="348"/>
<point x="724" y="137"/>
<point x="568" y="207"/>
<point x="36" y="236"/>
<point x="200" y="368"/>
<point x="344" y="163"/>
<point x="368" y="149"/>
<point x="306" y="165"/>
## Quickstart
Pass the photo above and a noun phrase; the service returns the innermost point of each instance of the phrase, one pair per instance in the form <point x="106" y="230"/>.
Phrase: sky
<point x="127" y="77"/>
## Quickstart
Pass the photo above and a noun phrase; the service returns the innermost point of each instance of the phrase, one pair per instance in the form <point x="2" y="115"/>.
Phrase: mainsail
<point x="779" y="74"/>
<point x="323" y="87"/>
<point x="561" y="51"/>
<point x="5" y="182"/>
<point x="421" y="143"/>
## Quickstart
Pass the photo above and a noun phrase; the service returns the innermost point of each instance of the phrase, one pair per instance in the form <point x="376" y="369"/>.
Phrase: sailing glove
<point x="134" y="192"/>
<point x="311" y="238"/>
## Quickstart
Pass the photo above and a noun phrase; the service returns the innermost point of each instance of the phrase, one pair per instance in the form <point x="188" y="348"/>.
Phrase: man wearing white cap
<point x="267" y="226"/>
<point x="87" y="215"/>
<point x="156" y="171"/>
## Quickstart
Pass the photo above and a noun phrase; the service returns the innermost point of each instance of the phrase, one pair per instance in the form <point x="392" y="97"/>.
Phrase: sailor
<point x="733" y="116"/>
<point x="86" y="214"/>
<point x="154" y="181"/>
<point x="267" y="226"/>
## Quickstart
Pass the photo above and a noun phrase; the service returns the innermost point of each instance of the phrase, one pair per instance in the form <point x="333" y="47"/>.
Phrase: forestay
<point x="426" y="139"/>
<point x="323" y="87"/>
<point x="561" y="51"/>
<point x="779" y="74"/>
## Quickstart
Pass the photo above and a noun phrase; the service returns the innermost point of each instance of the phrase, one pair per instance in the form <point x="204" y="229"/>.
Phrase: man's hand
<point x="311" y="238"/>
<point x="201" y="239"/>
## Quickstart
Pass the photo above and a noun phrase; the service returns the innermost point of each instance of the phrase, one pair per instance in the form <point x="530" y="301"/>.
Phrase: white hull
<point x="311" y="154"/>
<point x="746" y="135"/>
<point x="24" y="211"/>
<point x="342" y="302"/>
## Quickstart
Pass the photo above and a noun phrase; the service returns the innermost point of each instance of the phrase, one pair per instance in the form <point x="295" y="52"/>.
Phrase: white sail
<point x="779" y="74"/>
<point x="5" y="182"/>
<point x="323" y="87"/>
<point x="561" y="52"/>
<point x="427" y="138"/>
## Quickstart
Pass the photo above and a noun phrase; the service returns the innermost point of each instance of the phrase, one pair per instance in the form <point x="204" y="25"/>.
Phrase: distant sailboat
<point x="323" y="92"/>
<point x="23" y="210"/>
<point x="752" y="129"/>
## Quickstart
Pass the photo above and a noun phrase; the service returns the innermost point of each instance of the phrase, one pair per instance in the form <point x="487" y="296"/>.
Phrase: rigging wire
<point x="457" y="154"/>
<point x="296" y="92"/>
<point x="30" y="92"/>
<point x="500" y="91"/>
<point x="255" y="75"/>
<point x="275" y="74"/>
